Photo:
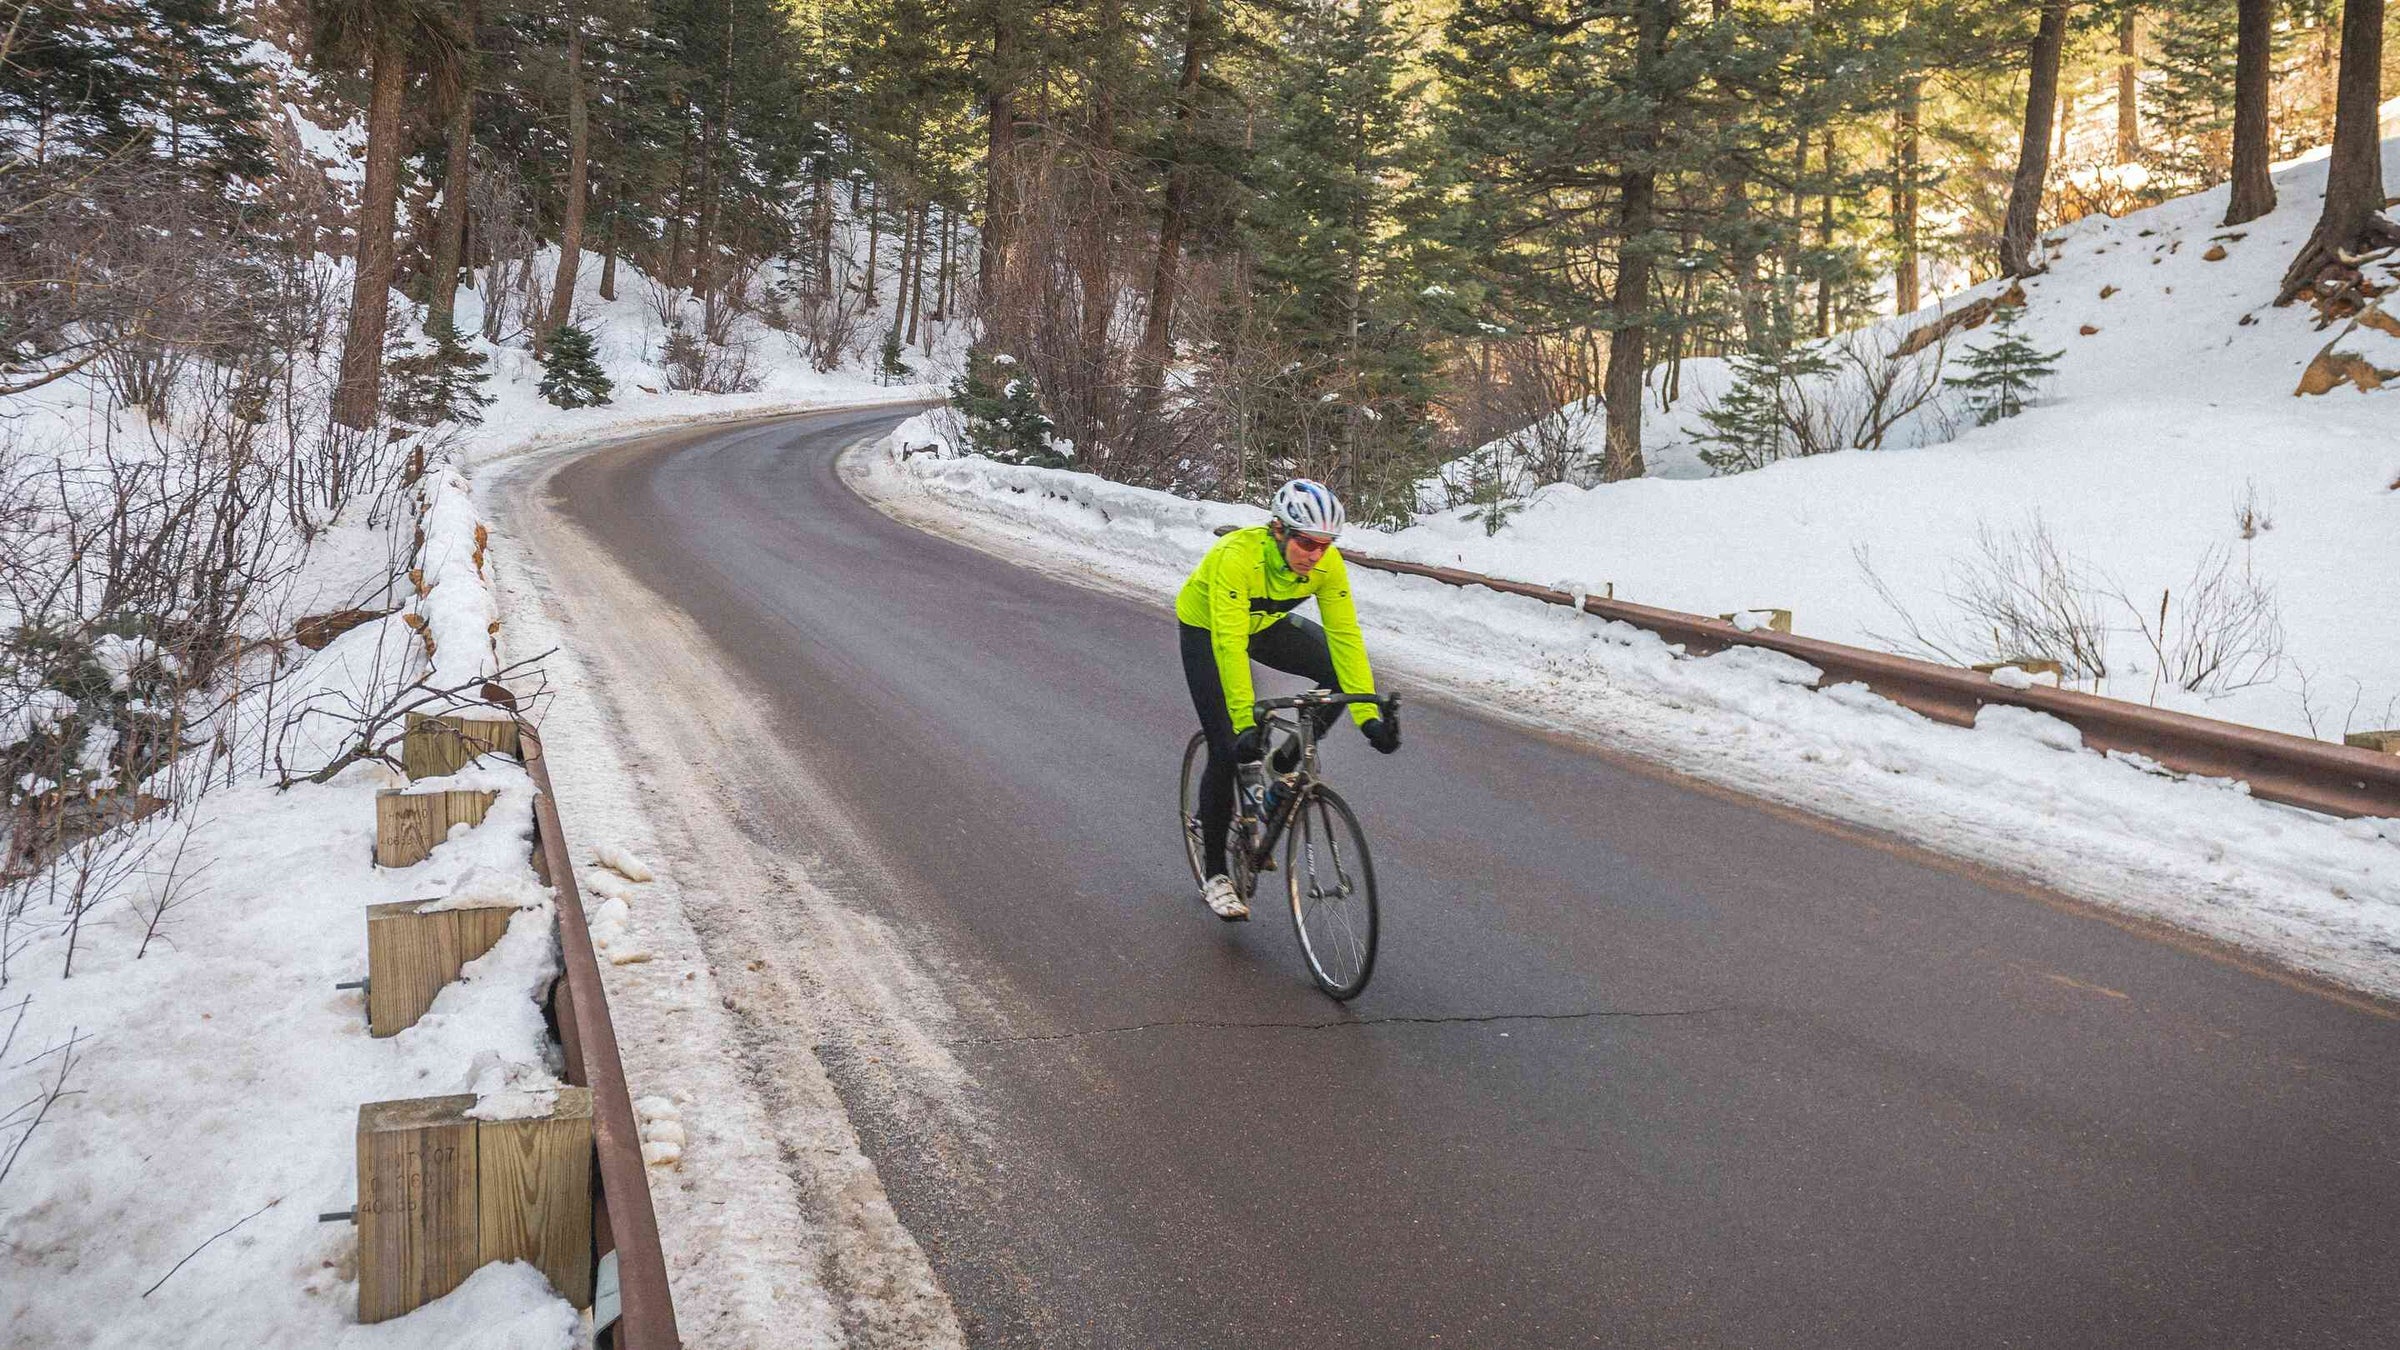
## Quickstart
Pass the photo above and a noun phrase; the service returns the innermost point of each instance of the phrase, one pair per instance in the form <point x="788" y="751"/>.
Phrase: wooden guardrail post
<point x="2386" y="741"/>
<point x="416" y="1203"/>
<point x="409" y="824"/>
<point x="435" y="745"/>
<point x="441" y="1193"/>
<point x="412" y="953"/>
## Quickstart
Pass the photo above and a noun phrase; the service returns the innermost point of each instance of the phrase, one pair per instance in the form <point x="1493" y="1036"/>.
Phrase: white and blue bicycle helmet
<point x="1308" y="506"/>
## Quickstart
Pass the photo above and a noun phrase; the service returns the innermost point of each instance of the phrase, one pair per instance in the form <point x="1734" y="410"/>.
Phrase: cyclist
<point x="1237" y="607"/>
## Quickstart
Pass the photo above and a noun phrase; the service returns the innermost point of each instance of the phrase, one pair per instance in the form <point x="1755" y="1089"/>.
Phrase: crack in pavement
<point x="1389" y="1019"/>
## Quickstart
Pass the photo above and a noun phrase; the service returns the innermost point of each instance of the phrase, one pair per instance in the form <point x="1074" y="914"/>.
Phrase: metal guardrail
<point x="623" y="1221"/>
<point x="2336" y="779"/>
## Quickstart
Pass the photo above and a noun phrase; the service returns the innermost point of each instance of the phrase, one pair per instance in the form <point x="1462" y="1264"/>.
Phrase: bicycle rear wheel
<point x="1332" y="885"/>
<point x="1195" y="759"/>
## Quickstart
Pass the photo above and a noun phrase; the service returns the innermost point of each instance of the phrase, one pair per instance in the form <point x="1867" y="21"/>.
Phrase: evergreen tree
<point x="2193" y="100"/>
<point x="168" y="81"/>
<point x="442" y="383"/>
<point x="1002" y="411"/>
<point x="891" y="367"/>
<point x="1751" y="426"/>
<point x="1335" y="293"/>
<point x="571" y="374"/>
<point x="2006" y="372"/>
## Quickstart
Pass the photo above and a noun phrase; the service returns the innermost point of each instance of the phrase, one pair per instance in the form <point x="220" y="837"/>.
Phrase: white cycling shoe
<point x="1223" y="900"/>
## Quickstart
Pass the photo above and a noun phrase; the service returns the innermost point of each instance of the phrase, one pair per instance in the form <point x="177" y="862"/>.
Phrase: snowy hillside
<point x="2170" y="443"/>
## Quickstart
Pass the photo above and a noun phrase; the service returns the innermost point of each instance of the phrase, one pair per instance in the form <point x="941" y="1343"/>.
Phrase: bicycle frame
<point x="1296" y="785"/>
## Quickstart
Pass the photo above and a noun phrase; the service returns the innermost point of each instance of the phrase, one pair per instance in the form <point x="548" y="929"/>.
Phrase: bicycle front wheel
<point x="1332" y="884"/>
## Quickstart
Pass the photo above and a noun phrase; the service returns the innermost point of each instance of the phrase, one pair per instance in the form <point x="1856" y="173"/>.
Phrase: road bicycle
<point x="1327" y="871"/>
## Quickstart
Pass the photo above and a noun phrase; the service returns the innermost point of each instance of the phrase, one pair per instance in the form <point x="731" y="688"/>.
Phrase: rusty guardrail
<point x="623" y="1221"/>
<point x="2335" y="779"/>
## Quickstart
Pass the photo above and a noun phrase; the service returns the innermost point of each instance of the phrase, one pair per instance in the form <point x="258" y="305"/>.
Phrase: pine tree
<point x="2006" y="371"/>
<point x="571" y="374"/>
<point x="2193" y="103"/>
<point x="1751" y="426"/>
<point x="891" y="367"/>
<point x="1002" y="411"/>
<point x="1335" y="291"/>
<point x="443" y="383"/>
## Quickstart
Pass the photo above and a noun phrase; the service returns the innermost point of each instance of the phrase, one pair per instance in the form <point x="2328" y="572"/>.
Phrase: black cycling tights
<point x="1296" y="647"/>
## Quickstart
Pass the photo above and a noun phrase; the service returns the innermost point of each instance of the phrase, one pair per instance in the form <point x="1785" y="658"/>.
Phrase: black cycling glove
<point x="1383" y="733"/>
<point x="1248" y="747"/>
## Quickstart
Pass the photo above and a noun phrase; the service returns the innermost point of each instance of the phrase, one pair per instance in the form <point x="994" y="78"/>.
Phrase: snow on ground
<point x="2017" y="791"/>
<point x="776" y="1225"/>
<point x="216" y="1073"/>
<point x="2174" y="411"/>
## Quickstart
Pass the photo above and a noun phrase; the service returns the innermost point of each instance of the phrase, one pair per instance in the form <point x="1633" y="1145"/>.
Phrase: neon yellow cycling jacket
<point x="1244" y="586"/>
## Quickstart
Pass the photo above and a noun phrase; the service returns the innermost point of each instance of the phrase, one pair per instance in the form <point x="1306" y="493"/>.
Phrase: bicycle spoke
<point x="1332" y="893"/>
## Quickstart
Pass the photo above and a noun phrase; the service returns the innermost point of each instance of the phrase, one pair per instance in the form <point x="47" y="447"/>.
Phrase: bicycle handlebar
<point x="1319" y="698"/>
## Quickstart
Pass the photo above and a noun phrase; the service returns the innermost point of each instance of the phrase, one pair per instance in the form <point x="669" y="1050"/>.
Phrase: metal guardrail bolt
<point x="339" y="1216"/>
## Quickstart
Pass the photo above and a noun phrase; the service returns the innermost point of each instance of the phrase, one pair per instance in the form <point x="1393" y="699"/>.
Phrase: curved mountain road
<point x="1643" y="1064"/>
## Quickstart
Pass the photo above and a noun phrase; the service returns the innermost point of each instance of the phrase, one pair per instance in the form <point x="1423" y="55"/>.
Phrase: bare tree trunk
<point x="941" y="288"/>
<point x="999" y="149"/>
<point x="874" y="235"/>
<point x="704" y="250"/>
<point x="2023" y="223"/>
<point x="820" y="224"/>
<point x="1905" y="296"/>
<point x="361" y="385"/>
<point x="916" y="270"/>
<point x="450" y="232"/>
<point x="1158" y="331"/>
<point x="673" y="275"/>
<point x="1825" y="242"/>
<point x="608" y="252"/>
<point x="2253" y="77"/>
<point x="2129" y="114"/>
<point x="2354" y="176"/>
<point x="1095" y="261"/>
<point x="579" y="148"/>
<point x="1628" y="341"/>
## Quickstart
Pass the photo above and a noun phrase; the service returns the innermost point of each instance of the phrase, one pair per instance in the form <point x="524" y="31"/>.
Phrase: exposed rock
<point x="2333" y="367"/>
<point x="2216" y="253"/>
<point x="2087" y="330"/>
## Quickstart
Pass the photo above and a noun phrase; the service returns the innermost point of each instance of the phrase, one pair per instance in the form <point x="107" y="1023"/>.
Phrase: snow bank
<point x="2017" y="791"/>
<point x="218" y="1070"/>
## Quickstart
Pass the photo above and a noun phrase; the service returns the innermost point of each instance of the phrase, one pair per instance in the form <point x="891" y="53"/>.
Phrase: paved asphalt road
<point x="1642" y="1064"/>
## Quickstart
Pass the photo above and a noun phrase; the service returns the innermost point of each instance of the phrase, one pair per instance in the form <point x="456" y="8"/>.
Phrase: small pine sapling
<point x="571" y="374"/>
<point x="443" y="383"/>
<point x="2005" y="372"/>
<point x="1752" y="425"/>
<point x="893" y="368"/>
<point x="1002" y="413"/>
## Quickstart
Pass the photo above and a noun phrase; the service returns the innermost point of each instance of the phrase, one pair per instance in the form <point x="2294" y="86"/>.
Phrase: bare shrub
<point x="2252" y="516"/>
<point x="502" y="209"/>
<point x="1870" y="391"/>
<point x="369" y="723"/>
<point x="2021" y="595"/>
<point x="2223" y="632"/>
